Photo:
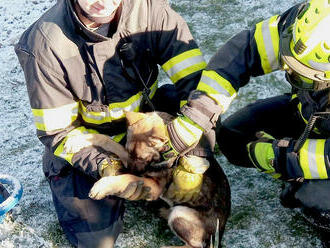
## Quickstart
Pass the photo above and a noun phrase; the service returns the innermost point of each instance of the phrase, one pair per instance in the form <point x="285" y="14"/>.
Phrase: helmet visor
<point x="300" y="75"/>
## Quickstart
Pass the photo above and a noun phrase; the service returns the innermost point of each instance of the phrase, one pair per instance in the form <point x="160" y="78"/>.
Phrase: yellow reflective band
<point x="183" y="102"/>
<point x="55" y="118"/>
<point x="311" y="158"/>
<point x="190" y="70"/>
<point x="294" y="96"/>
<point x="303" y="159"/>
<point x="132" y="104"/>
<point x="153" y="89"/>
<point x="181" y="57"/>
<point x="300" y="112"/>
<point x="115" y="110"/>
<point x="267" y="39"/>
<point x="276" y="175"/>
<point x="77" y="141"/>
<point x="93" y="117"/>
<point x="223" y="100"/>
<point x="184" y="64"/>
<point x="118" y="137"/>
<point x="188" y="132"/>
<point x="218" y="88"/>
<point x="272" y="173"/>
<point x="319" y="157"/>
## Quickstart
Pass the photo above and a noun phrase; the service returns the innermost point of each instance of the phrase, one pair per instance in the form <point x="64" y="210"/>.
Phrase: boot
<point x="287" y="197"/>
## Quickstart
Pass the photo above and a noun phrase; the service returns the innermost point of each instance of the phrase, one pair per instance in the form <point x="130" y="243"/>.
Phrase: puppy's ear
<point x="133" y="117"/>
<point x="159" y="132"/>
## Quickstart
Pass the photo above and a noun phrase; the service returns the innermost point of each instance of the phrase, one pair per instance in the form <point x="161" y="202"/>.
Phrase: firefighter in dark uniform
<point x="85" y="63"/>
<point x="286" y="136"/>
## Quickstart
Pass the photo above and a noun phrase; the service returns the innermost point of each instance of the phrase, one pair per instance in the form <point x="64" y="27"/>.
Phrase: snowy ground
<point x="257" y="218"/>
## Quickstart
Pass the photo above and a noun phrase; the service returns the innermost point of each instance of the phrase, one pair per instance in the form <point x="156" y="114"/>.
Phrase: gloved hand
<point x="183" y="134"/>
<point x="199" y="116"/>
<point x="187" y="179"/>
<point x="261" y="152"/>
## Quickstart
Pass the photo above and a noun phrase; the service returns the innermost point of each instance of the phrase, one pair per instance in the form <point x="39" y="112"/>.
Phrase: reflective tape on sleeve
<point x="184" y="64"/>
<point x="267" y="39"/>
<point x="218" y="88"/>
<point x="55" y="118"/>
<point x="311" y="158"/>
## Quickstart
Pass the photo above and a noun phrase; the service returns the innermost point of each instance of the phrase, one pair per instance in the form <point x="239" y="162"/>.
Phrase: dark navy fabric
<point x="277" y="116"/>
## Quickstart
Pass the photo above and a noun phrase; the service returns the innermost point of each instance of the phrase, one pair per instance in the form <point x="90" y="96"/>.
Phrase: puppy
<point x="196" y="222"/>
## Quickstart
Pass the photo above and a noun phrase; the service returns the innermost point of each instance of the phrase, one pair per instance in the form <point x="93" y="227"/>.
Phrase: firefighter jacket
<point x="255" y="52"/>
<point x="79" y="82"/>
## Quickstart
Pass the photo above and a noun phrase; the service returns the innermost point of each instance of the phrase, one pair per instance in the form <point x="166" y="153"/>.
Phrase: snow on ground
<point x="257" y="218"/>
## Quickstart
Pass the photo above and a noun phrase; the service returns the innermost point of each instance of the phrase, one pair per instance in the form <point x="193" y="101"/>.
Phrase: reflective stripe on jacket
<point x="76" y="81"/>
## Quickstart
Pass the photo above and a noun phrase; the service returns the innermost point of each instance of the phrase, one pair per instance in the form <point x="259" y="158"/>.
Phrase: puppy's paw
<point x="124" y="186"/>
<point x="101" y="188"/>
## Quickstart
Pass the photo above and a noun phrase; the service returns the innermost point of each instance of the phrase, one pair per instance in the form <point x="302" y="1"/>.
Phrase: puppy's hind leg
<point x="186" y="223"/>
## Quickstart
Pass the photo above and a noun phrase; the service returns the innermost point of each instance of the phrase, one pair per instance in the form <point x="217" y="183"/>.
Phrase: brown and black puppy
<point x="197" y="221"/>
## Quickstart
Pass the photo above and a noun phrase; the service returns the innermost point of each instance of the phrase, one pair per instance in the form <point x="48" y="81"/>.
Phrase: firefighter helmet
<point x="305" y="48"/>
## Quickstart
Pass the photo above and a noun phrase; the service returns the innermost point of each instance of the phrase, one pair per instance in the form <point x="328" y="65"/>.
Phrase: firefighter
<point x="286" y="136"/>
<point x="85" y="63"/>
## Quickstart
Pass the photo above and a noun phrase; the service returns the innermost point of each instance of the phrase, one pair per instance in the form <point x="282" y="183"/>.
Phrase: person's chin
<point x="100" y="19"/>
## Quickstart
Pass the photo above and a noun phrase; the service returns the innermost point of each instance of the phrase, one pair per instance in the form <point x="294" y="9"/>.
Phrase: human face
<point x="99" y="11"/>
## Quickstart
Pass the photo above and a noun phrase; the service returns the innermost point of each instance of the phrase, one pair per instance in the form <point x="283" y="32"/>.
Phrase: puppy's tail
<point x="216" y="243"/>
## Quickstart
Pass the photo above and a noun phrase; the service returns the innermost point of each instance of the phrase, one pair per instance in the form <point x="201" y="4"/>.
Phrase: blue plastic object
<point x="8" y="201"/>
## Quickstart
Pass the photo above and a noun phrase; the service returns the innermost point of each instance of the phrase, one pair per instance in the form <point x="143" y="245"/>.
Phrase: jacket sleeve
<point x="314" y="159"/>
<point x="56" y="112"/>
<point x="249" y="53"/>
<point x="176" y="50"/>
<point x="310" y="162"/>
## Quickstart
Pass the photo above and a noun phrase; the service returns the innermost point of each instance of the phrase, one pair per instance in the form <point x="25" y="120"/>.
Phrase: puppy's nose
<point x="139" y="165"/>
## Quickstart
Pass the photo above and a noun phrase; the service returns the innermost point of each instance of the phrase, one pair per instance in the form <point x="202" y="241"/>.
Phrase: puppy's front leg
<point x="156" y="187"/>
<point x="126" y="186"/>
